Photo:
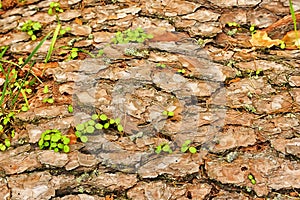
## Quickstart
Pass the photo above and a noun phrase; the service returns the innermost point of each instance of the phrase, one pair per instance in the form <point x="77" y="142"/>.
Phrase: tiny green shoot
<point x="186" y="146"/>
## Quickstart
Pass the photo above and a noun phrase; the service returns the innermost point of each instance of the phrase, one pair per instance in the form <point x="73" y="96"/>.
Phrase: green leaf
<point x="106" y="125"/>
<point x="62" y="32"/>
<point x="84" y="139"/>
<point x="166" y="148"/>
<point x="184" y="148"/>
<point x="60" y="145"/>
<point x="149" y="36"/>
<point x="33" y="37"/>
<point x="30" y="32"/>
<point x="112" y="121"/>
<point x="66" y="140"/>
<point x="193" y="150"/>
<point x="56" y="149"/>
<point x="50" y="12"/>
<point x="79" y="127"/>
<point x="46" y="89"/>
<point x="158" y="149"/>
<point x="98" y="126"/>
<point x="78" y="134"/>
<point x="46" y="144"/>
<point x="41" y="142"/>
<point x="140" y="40"/>
<point x="94" y="116"/>
<point x="47" y="137"/>
<point x="36" y="26"/>
<point x="2" y="147"/>
<point x="170" y="114"/>
<point x="7" y="142"/>
<point x="66" y="149"/>
<point x="50" y="100"/>
<point x="165" y="112"/>
<point x="70" y="108"/>
<point x="103" y="117"/>
<point x="55" y="137"/>
<point x="187" y="142"/>
<point x="24" y="108"/>
<point x="117" y="120"/>
<point x="90" y="129"/>
<point x="91" y="122"/>
<point x="52" y="4"/>
<point x="1" y="128"/>
<point x="120" y="128"/>
<point x="53" y="145"/>
<point x="74" y="54"/>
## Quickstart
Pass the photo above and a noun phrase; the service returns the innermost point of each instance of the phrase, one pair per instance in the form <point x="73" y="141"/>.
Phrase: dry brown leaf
<point x="292" y="39"/>
<point x="108" y="197"/>
<point x="78" y="21"/>
<point x="38" y="69"/>
<point x="261" y="39"/>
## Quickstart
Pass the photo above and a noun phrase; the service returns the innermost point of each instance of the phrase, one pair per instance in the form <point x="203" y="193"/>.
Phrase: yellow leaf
<point x="261" y="39"/>
<point x="292" y="39"/>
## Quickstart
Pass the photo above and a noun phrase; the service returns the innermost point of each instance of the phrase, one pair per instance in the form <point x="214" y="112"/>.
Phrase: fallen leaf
<point x="38" y="69"/>
<point x="78" y="21"/>
<point x="292" y="39"/>
<point x="261" y="39"/>
<point x="72" y="136"/>
<point x="108" y="197"/>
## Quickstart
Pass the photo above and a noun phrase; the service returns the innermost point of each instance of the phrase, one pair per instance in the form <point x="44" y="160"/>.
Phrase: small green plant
<point x="233" y="24"/>
<point x="252" y="179"/>
<point x="31" y="28"/>
<point x="5" y="145"/>
<point x="6" y="130"/>
<point x="73" y="53"/>
<point x="234" y="29"/>
<point x="254" y="73"/>
<point x="64" y="31"/>
<point x="54" y="140"/>
<point x="232" y="32"/>
<point x="165" y="147"/>
<point x="20" y="61"/>
<point x="14" y="84"/>
<point x="160" y="65"/>
<point x="11" y="90"/>
<point x="70" y="108"/>
<point x="186" y="146"/>
<point x="250" y="108"/>
<point x="46" y="89"/>
<point x="100" y="53"/>
<point x="138" y="35"/>
<point x="168" y="113"/>
<point x="97" y="122"/>
<point x="54" y="8"/>
<point x="252" y="29"/>
<point x="181" y="71"/>
<point x="48" y="100"/>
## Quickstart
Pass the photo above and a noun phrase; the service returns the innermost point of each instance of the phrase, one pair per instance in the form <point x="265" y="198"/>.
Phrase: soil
<point x="229" y="94"/>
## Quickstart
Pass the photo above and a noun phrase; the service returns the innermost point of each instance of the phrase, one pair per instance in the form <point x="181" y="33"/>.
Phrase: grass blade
<point x="35" y="49"/>
<point x="5" y="85"/>
<point x="297" y="43"/>
<point x="27" y="61"/>
<point x="53" y="41"/>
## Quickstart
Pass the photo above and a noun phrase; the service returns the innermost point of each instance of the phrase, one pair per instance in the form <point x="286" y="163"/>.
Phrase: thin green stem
<point x="295" y="23"/>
